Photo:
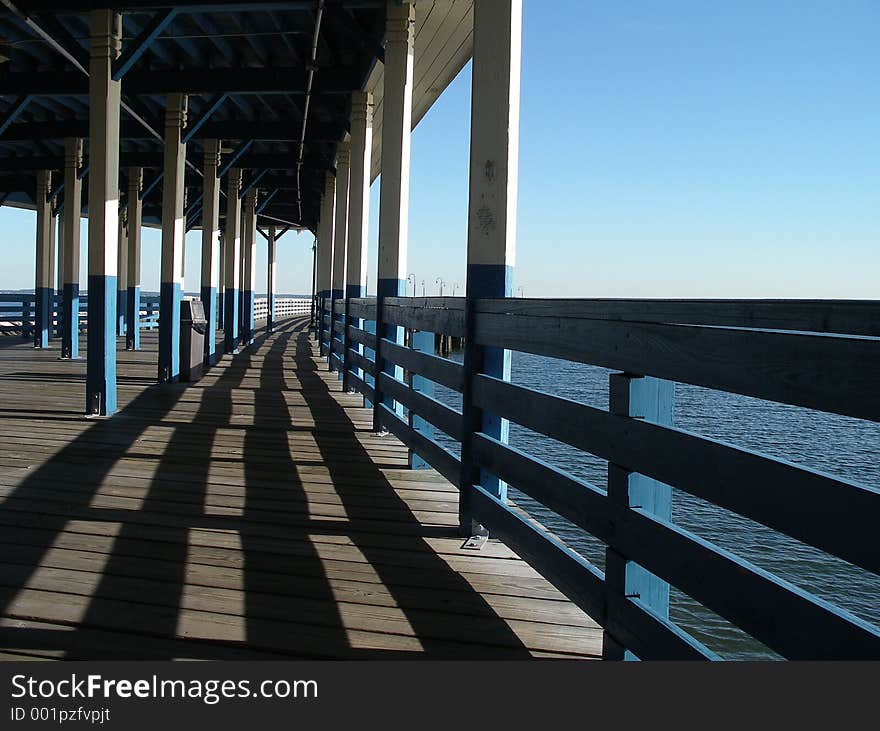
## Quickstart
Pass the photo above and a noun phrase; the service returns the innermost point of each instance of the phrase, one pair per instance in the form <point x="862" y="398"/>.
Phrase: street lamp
<point x="423" y="288"/>
<point x="455" y="287"/>
<point x="440" y="281"/>
<point x="520" y="290"/>
<point x="413" y="278"/>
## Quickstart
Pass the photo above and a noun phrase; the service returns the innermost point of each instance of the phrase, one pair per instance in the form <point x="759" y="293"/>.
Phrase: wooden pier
<point x="253" y="514"/>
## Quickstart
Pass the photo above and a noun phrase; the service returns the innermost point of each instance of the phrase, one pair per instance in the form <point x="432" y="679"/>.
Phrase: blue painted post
<point x="491" y="218"/>
<point x="173" y="227"/>
<point x="53" y="232"/>
<point x="122" y="278"/>
<point x="210" y="246"/>
<point x="424" y="343"/>
<point x="325" y="255"/>
<point x="394" y="194"/>
<point x="59" y="276"/>
<point x="104" y="111"/>
<point x="232" y="263"/>
<point x="648" y="399"/>
<point x="340" y="241"/>
<point x="249" y="269"/>
<point x="358" y="214"/>
<point x="135" y="214"/>
<point x="43" y="277"/>
<point x="270" y="281"/>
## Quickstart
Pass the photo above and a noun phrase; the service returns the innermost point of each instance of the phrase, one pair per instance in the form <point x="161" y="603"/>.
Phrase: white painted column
<point x="43" y="259"/>
<point x="359" y="194"/>
<point x="104" y="110"/>
<point x="71" y="239"/>
<point x="270" y="281"/>
<point x="122" y="278"/>
<point x="173" y="230"/>
<point x="249" y="249"/>
<point x="340" y="241"/>
<point x="232" y="262"/>
<point x="325" y="257"/>
<point x="394" y="193"/>
<point x="491" y="216"/>
<point x="210" y="245"/>
<point x="133" y="299"/>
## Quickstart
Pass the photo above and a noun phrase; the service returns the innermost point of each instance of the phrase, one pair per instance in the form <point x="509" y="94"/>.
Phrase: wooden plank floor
<point x="251" y="515"/>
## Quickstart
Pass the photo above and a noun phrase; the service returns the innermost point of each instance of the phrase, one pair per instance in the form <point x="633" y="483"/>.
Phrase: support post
<point x="340" y="241"/>
<point x="221" y="286"/>
<point x="122" y="279"/>
<point x="43" y="270"/>
<point x="325" y="255"/>
<point x="70" y="239"/>
<point x="135" y="214"/>
<point x="173" y="228"/>
<point x="491" y="220"/>
<point x="232" y="253"/>
<point x="249" y="248"/>
<point x="270" y="281"/>
<point x="210" y="246"/>
<point x="394" y="194"/>
<point x="104" y="110"/>
<point x="649" y="399"/>
<point x="358" y="214"/>
<point x="53" y="232"/>
<point x="59" y="275"/>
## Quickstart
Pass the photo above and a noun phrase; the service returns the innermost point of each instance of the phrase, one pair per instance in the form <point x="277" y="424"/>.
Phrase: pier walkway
<point x="254" y="514"/>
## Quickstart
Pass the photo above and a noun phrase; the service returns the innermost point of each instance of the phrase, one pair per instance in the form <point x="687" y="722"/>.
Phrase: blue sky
<point x="668" y="149"/>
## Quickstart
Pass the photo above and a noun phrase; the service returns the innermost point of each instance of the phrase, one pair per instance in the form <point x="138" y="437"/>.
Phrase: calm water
<point x="835" y="444"/>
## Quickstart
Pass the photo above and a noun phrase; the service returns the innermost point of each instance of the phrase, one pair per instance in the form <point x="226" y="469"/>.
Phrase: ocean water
<point x="838" y="445"/>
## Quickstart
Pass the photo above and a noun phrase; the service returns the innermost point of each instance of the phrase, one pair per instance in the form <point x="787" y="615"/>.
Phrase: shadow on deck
<point x="251" y="515"/>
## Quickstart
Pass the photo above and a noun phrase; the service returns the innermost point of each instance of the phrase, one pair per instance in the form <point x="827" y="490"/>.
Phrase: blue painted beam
<point x="140" y="44"/>
<point x="212" y="107"/>
<point x="265" y="203"/>
<point x="17" y="108"/>
<point x="153" y="184"/>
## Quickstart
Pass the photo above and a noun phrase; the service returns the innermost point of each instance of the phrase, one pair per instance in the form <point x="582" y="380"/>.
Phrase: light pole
<point x="413" y="278"/>
<point x="455" y="287"/>
<point x="423" y="288"/>
<point x="440" y="281"/>
<point x="520" y="290"/>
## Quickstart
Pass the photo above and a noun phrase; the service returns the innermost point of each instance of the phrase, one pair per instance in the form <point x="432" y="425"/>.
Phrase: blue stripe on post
<point x="101" y="339"/>
<point x="322" y="313"/>
<point x="70" y="321"/>
<point x="483" y="281"/>
<point x="335" y="296"/>
<point x="133" y="324"/>
<point x="209" y="300"/>
<point x="220" y="310"/>
<point x="42" y="316"/>
<point x="394" y="333"/>
<point x="352" y="291"/>
<point x="249" y="322"/>
<point x="121" y="311"/>
<point x="230" y="321"/>
<point x="169" y="332"/>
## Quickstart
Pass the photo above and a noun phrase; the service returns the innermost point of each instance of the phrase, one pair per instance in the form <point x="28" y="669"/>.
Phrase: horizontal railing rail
<point x="822" y="355"/>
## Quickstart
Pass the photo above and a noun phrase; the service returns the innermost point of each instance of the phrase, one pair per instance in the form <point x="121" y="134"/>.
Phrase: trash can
<point x="192" y="339"/>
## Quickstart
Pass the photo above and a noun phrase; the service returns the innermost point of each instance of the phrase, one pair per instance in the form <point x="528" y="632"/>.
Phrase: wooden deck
<point x="251" y="515"/>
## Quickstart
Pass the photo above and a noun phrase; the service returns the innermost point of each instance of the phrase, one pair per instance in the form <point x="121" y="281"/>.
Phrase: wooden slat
<point x="829" y="373"/>
<point x="442" y="315"/>
<point x="361" y="336"/>
<point x="363" y="308"/>
<point x="829" y="513"/>
<point x="357" y="360"/>
<point x="439" y="414"/>
<point x="440" y="370"/>
<point x="849" y="317"/>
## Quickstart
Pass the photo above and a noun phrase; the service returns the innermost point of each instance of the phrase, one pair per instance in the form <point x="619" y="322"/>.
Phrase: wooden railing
<point x="815" y="354"/>
<point x="17" y="310"/>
